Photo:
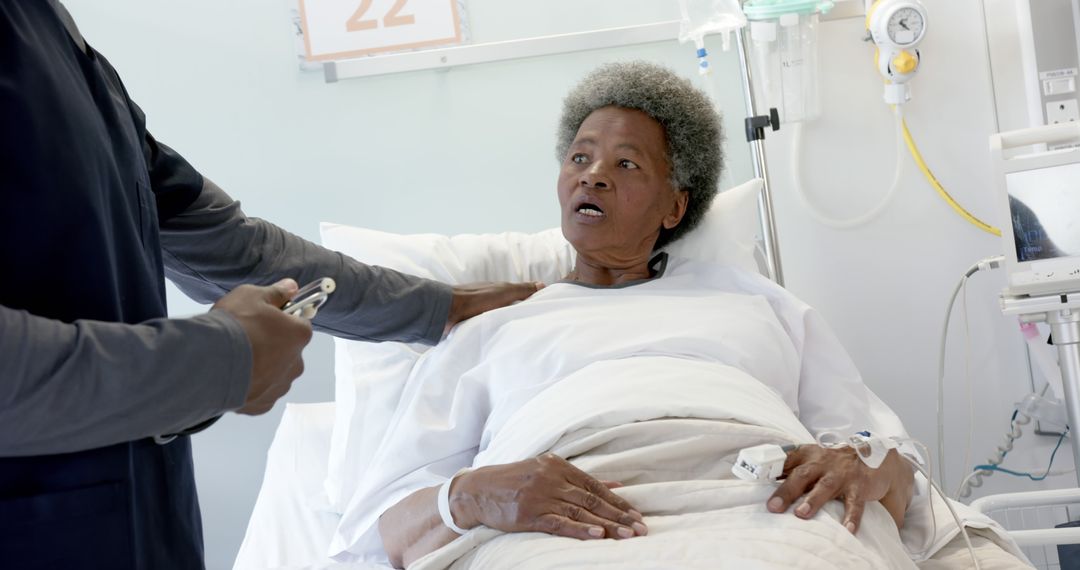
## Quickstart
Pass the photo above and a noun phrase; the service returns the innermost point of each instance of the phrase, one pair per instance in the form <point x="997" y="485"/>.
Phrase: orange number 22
<point x="356" y="23"/>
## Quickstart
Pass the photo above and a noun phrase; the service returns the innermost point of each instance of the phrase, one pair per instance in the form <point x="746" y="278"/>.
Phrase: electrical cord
<point x="974" y="479"/>
<point x="988" y="263"/>
<point x="1057" y="446"/>
<point x="1046" y="474"/>
<point x="969" y="395"/>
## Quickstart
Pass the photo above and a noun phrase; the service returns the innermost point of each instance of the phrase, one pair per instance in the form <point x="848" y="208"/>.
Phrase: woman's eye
<point x="627" y="164"/>
<point x="579" y="158"/>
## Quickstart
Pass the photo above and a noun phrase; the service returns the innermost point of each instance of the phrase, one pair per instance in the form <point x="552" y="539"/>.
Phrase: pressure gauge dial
<point x="897" y="23"/>
<point x="906" y="26"/>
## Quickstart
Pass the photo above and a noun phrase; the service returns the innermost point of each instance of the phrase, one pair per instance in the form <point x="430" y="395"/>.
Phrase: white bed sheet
<point x="291" y="525"/>
<point x="289" y="529"/>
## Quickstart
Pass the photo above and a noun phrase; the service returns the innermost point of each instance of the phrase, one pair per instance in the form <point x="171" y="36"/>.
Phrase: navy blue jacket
<point x="83" y="187"/>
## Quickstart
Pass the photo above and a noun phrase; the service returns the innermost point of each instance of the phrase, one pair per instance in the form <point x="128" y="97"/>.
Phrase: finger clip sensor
<point x="310" y="298"/>
<point x="761" y="462"/>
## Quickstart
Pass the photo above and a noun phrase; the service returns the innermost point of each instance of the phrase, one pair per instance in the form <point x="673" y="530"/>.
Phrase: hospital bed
<point x="313" y="459"/>
<point x="1031" y="518"/>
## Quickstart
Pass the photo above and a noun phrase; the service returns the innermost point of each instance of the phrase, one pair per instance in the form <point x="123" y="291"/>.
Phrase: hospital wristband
<point x="444" y="503"/>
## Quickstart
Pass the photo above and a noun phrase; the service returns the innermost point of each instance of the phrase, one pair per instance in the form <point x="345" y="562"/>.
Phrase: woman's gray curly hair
<point x="695" y="135"/>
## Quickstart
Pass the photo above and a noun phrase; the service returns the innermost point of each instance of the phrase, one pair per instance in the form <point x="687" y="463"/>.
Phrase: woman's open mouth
<point x="589" y="212"/>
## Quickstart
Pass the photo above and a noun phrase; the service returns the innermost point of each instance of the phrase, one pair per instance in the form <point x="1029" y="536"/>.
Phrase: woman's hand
<point x="544" y="494"/>
<point x="823" y="474"/>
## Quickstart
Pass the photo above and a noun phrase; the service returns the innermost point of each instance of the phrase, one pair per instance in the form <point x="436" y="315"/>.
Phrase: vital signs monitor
<point x="1037" y="172"/>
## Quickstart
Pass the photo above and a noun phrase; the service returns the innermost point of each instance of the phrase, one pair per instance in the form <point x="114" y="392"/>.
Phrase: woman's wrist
<point x="463" y="500"/>
<point x="901" y="487"/>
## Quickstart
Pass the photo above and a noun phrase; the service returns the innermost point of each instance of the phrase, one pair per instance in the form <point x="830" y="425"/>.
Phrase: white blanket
<point x="290" y="529"/>
<point x="702" y="342"/>
<point x="676" y="471"/>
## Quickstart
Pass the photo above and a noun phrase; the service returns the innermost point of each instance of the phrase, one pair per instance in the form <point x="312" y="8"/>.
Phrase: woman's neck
<point x="595" y="274"/>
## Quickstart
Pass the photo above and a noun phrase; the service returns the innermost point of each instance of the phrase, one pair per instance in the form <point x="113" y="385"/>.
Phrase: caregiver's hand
<point x="277" y="340"/>
<point x="824" y="474"/>
<point x="543" y="494"/>
<point x="475" y="298"/>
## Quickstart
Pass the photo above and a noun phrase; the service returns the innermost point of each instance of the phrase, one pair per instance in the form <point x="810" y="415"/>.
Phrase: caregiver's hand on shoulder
<point x="277" y="340"/>
<point x="543" y="494"/>
<point x="475" y="298"/>
<point x="824" y="474"/>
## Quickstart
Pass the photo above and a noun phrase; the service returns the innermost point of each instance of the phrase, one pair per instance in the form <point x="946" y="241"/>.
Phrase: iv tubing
<point x="914" y="149"/>
<point x="796" y="161"/>
<point x="956" y="518"/>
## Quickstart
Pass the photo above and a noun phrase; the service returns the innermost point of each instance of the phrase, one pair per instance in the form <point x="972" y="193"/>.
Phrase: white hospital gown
<point x="462" y="392"/>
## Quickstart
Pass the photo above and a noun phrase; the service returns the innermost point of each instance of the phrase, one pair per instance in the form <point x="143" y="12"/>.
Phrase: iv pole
<point x="755" y="135"/>
<point x="1062" y="313"/>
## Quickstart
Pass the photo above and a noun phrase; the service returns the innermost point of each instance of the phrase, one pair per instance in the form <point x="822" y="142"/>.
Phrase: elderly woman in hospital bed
<point x="610" y="405"/>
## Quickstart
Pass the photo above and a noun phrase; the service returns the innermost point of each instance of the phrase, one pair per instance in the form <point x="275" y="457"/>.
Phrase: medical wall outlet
<point x="1047" y="32"/>
<point x="760" y="463"/>
<point x="897" y="27"/>
<point x="1063" y="111"/>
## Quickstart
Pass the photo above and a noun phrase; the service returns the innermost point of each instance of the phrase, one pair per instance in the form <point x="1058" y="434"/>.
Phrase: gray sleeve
<point x="212" y="247"/>
<point x="73" y="386"/>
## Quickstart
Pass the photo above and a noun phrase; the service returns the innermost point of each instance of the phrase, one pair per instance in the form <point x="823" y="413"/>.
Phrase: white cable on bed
<point x="934" y="487"/>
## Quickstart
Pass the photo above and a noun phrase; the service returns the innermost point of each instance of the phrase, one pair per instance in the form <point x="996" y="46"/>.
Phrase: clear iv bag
<point x="704" y="17"/>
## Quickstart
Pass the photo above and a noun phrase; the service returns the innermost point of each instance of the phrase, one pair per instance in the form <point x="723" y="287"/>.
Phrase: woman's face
<point x="615" y="188"/>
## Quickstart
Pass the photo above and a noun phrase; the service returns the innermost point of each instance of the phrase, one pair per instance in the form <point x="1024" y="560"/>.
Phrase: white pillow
<point x="730" y="232"/>
<point x="369" y="377"/>
<point x="543" y="256"/>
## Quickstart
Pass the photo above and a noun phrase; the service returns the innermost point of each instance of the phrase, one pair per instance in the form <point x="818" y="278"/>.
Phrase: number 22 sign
<point x="340" y="29"/>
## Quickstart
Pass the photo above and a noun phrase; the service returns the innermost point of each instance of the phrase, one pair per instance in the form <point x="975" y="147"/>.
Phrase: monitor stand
<point x="1062" y="313"/>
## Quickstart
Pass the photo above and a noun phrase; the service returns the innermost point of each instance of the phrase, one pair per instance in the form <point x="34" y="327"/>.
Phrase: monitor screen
<point x="1044" y="205"/>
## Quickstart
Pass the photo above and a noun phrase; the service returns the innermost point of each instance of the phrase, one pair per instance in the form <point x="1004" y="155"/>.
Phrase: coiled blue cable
<point x="1023" y="474"/>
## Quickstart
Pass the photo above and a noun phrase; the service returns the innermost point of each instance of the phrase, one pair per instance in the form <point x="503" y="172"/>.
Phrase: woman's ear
<point x="678" y="209"/>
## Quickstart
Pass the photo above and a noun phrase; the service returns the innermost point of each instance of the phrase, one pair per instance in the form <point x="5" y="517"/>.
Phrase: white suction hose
<point x="815" y="212"/>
